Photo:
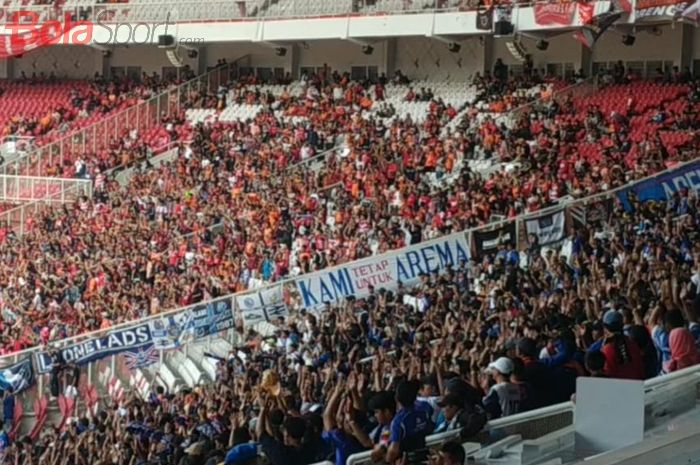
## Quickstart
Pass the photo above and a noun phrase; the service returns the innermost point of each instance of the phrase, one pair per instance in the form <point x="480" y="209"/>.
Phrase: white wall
<point x="609" y="48"/>
<point x="647" y="47"/>
<point x="696" y="43"/>
<point x="340" y="55"/>
<point x="149" y="57"/>
<point x="72" y="62"/>
<point x="426" y="58"/>
<point x="562" y="49"/>
<point x="260" y="55"/>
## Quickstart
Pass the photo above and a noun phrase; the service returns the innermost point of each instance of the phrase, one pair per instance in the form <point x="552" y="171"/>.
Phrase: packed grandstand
<point x="318" y="265"/>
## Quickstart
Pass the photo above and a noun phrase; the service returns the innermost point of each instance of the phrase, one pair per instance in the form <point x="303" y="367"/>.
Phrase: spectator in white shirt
<point x="503" y="397"/>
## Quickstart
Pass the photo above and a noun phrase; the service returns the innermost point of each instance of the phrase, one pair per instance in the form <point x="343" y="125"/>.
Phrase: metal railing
<point x="253" y="10"/>
<point x="19" y="219"/>
<point x="47" y="189"/>
<point x="99" y="136"/>
<point x="14" y="146"/>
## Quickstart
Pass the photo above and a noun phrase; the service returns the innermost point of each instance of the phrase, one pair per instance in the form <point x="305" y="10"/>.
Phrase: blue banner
<point x="193" y="323"/>
<point x="17" y="377"/>
<point x="97" y="348"/>
<point x="661" y="188"/>
<point x="164" y="333"/>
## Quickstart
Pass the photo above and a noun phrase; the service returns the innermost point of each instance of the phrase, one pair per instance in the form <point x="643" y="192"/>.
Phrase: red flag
<point x="585" y="11"/>
<point x="549" y="14"/>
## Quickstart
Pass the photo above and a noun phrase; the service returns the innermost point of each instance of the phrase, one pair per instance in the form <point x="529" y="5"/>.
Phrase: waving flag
<point x="590" y="33"/>
<point x="141" y="357"/>
<point x="585" y="11"/>
<point x="484" y="19"/>
<point x="656" y="10"/>
<point x="18" y="377"/>
<point x="691" y="12"/>
<point x="554" y="14"/>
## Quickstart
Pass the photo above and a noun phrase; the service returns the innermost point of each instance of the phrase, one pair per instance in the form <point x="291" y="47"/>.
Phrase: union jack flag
<point x="141" y="357"/>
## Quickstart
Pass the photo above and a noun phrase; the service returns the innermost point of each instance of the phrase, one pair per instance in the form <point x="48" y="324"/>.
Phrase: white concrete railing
<point x="537" y="423"/>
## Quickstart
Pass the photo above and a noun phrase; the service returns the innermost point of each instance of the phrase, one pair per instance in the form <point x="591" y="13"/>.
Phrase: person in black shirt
<point x="291" y="450"/>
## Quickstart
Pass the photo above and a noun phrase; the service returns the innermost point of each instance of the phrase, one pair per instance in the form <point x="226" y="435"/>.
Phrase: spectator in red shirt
<point x="623" y="359"/>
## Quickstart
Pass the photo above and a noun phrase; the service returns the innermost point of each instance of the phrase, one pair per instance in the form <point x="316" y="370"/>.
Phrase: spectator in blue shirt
<point x="410" y="426"/>
<point x="340" y="436"/>
<point x="383" y="406"/>
<point x="8" y="406"/>
<point x="4" y="438"/>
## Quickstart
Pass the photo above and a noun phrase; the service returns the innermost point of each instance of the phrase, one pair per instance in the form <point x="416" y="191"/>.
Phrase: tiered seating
<point x="35" y="100"/>
<point x="283" y="8"/>
<point x="644" y="98"/>
<point x="151" y="10"/>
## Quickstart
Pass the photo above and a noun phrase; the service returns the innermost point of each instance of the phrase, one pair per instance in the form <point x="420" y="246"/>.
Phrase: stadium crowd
<point x="494" y="337"/>
<point x="489" y="339"/>
<point x="152" y="244"/>
<point x="77" y="103"/>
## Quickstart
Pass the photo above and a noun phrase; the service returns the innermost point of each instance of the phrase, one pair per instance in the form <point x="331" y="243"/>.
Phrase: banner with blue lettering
<point x="97" y="348"/>
<point x="383" y="271"/>
<point x="193" y="323"/>
<point x="661" y="188"/>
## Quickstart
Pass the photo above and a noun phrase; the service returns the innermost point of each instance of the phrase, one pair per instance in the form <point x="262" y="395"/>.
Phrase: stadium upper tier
<point x="152" y="244"/>
<point x="189" y="10"/>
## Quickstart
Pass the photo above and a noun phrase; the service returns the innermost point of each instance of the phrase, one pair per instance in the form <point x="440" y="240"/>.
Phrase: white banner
<point x="548" y="228"/>
<point x="383" y="271"/>
<point x="263" y="305"/>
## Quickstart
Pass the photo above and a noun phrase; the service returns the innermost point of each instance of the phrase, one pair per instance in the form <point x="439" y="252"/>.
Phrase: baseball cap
<point x="241" y="454"/>
<point x="503" y="365"/>
<point x="463" y="390"/>
<point x="612" y="320"/>
<point x="527" y="346"/>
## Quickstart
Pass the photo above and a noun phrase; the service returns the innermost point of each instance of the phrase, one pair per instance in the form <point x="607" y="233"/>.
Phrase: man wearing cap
<point x="451" y="406"/>
<point x="623" y="359"/>
<point x="503" y="397"/>
<point x="242" y="454"/>
<point x="535" y="374"/>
